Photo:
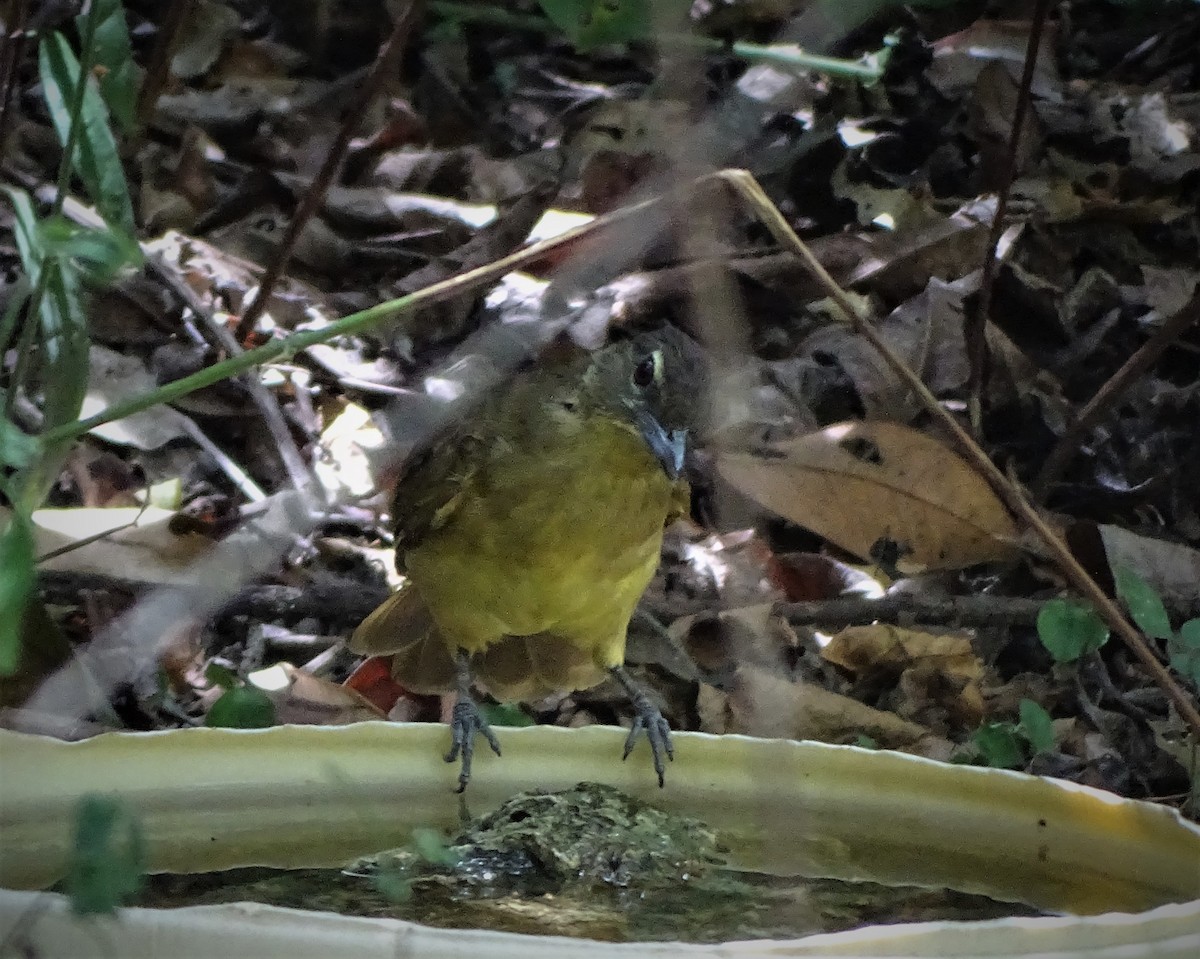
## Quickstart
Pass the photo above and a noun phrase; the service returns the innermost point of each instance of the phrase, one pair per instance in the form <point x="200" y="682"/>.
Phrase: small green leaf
<point x="108" y="858"/>
<point x="96" y="159"/>
<point x="593" y="23"/>
<point x="1036" y="726"/>
<point x="1144" y="603"/>
<point x="1070" y="630"/>
<point x="118" y="74"/>
<point x="242" y="707"/>
<point x="17" y="448"/>
<point x="1185" y="651"/>
<point x="27" y="232"/>
<point x="102" y="252"/>
<point x="505" y="714"/>
<point x="220" y="675"/>
<point x="64" y="343"/>
<point x="1000" y="746"/>
<point x="16" y="585"/>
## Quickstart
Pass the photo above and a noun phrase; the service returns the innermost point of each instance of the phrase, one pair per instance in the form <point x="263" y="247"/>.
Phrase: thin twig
<point x="975" y="326"/>
<point x="13" y="47"/>
<point x="972" y="611"/>
<point x="264" y="399"/>
<point x="1111" y="391"/>
<point x="160" y="60"/>
<point x="240" y="478"/>
<point x="385" y="64"/>
<point x="93" y="538"/>
<point x="749" y="189"/>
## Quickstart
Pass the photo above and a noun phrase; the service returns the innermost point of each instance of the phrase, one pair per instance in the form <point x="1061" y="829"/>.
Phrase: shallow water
<point x="724" y="906"/>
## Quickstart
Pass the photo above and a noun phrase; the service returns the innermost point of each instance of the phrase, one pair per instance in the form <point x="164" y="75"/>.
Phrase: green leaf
<point x="102" y="252"/>
<point x="118" y="74"/>
<point x="108" y="858"/>
<point x="219" y="675"/>
<point x="1000" y="746"/>
<point x="64" y="338"/>
<point x="17" y="448"/>
<point x="505" y="714"/>
<point x="242" y="707"/>
<point x="16" y="585"/>
<point x="1185" y="651"/>
<point x="96" y="159"/>
<point x="64" y="345"/>
<point x="27" y="232"/>
<point x="1070" y="630"/>
<point x="1144" y="603"/>
<point x="593" y="23"/>
<point x="1036" y="726"/>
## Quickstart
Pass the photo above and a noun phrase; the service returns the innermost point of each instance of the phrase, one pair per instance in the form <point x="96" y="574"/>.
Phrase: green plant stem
<point x="782" y="55"/>
<point x="354" y="323"/>
<point x="25" y="343"/>
<point x="86" y="45"/>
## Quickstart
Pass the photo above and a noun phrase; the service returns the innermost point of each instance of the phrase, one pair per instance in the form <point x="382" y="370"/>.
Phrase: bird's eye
<point x="649" y="370"/>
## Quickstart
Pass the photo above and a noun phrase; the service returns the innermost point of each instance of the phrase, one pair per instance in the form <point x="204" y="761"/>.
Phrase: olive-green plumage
<point x="529" y="531"/>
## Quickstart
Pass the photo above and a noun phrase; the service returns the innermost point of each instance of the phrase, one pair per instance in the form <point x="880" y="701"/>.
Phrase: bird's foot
<point x="648" y="719"/>
<point x="465" y="722"/>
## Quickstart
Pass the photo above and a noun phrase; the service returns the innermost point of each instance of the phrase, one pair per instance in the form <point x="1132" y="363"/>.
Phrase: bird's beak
<point x="668" y="446"/>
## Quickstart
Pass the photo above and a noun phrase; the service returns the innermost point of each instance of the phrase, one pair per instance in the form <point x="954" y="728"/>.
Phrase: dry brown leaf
<point x="934" y="672"/>
<point x="861" y="485"/>
<point x="760" y="703"/>
<point x="301" y="697"/>
<point x="892" y="648"/>
<point x="137" y="544"/>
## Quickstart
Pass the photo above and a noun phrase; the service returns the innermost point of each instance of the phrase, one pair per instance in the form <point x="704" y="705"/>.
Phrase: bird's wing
<point x="432" y="486"/>
<point x="458" y="462"/>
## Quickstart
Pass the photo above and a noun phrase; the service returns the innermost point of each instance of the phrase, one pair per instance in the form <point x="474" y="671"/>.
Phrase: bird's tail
<point x="513" y="669"/>
<point x="401" y="626"/>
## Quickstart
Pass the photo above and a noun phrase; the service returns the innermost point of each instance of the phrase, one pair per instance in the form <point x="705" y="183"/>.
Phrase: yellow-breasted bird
<point x="529" y="530"/>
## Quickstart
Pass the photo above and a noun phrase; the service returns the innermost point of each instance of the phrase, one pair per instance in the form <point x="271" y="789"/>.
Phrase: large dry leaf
<point x="135" y="544"/>
<point x="759" y="703"/>
<point x="301" y="697"/>
<point x="931" y="673"/>
<point x="863" y="485"/>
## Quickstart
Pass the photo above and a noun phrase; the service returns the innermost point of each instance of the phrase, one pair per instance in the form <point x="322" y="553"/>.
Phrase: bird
<point x="528" y="530"/>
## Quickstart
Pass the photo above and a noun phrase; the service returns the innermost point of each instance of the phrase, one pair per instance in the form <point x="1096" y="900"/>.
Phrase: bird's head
<point x="656" y="381"/>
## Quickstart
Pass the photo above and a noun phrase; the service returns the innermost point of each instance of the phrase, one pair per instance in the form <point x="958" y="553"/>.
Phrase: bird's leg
<point x="466" y="721"/>
<point x="646" y="718"/>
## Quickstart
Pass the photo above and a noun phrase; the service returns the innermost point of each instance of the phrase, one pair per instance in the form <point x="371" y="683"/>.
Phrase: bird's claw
<point x="649" y="719"/>
<point x="465" y="722"/>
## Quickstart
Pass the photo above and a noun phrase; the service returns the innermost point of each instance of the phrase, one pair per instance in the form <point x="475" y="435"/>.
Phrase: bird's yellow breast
<point x="558" y="540"/>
